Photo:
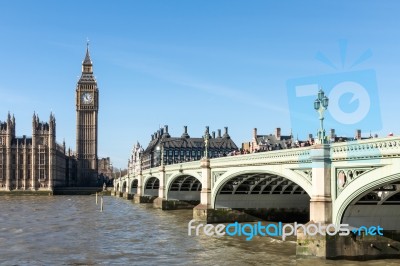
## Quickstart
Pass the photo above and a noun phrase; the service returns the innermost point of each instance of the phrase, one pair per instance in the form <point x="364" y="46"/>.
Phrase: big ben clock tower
<point x="87" y="106"/>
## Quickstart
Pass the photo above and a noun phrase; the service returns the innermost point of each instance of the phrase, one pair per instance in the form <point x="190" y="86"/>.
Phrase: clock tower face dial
<point x="87" y="98"/>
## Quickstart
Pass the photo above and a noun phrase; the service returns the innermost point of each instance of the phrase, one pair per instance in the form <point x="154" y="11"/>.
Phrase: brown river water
<point x="71" y="230"/>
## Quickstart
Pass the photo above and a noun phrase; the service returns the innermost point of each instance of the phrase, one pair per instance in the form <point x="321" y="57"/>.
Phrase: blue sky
<point x="195" y="63"/>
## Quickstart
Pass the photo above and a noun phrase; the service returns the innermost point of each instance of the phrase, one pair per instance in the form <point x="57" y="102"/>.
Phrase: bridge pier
<point x="321" y="199"/>
<point x="204" y="211"/>
<point x="353" y="247"/>
<point x="143" y="199"/>
<point x="127" y="195"/>
<point x="320" y="205"/>
<point x="160" y="201"/>
<point x="139" y="197"/>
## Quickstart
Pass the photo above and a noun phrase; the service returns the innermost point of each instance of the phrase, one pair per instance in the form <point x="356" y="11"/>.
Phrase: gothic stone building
<point x="31" y="163"/>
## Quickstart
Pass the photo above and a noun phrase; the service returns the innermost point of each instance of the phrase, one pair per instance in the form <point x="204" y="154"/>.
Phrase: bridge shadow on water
<point x="279" y="215"/>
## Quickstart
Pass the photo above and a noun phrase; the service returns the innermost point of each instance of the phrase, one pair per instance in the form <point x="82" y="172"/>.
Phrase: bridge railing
<point x="173" y="167"/>
<point x="366" y="149"/>
<point x="179" y="166"/>
<point x="295" y="155"/>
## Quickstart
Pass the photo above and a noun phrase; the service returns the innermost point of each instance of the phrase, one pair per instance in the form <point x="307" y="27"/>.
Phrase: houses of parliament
<point x="38" y="162"/>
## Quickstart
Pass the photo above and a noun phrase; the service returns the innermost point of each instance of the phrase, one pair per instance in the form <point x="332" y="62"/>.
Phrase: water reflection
<point x="71" y="230"/>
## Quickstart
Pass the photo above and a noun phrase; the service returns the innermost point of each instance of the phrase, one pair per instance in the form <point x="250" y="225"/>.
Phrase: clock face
<point x="87" y="98"/>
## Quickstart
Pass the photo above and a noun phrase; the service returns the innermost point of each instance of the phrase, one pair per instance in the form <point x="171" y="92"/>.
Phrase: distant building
<point x="104" y="169"/>
<point x="135" y="161"/>
<point x="277" y="141"/>
<point x="357" y="136"/>
<point x="270" y="142"/>
<point x="184" y="148"/>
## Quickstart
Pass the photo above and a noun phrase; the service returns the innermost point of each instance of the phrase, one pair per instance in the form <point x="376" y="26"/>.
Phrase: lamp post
<point x="206" y="138"/>
<point x="320" y="105"/>
<point x="160" y="149"/>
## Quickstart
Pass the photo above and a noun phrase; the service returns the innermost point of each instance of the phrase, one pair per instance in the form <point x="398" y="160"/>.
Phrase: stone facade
<point x="135" y="161"/>
<point x="31" y="163"/>
<point x="270" y="142"/>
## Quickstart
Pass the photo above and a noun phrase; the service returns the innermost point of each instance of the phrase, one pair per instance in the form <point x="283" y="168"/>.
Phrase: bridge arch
<point x="134" y="185"/>
<point x="288" y="174"/>
<point x="353" y="205"/>
<point x="123" y="186"/>
<point x="263" y="190"/>
<point x="185" y="187"/>
<point x="151" y="186"/>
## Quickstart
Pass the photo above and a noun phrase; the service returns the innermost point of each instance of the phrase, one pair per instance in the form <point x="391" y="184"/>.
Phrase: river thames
<point x="71" y="230"/>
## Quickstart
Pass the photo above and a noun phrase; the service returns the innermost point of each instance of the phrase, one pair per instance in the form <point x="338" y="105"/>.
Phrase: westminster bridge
<point x="356" y="182"/>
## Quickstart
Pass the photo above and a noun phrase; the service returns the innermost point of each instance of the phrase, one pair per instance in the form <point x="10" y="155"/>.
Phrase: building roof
<point x="163" y="138"/>
<point x="214" y="143"/>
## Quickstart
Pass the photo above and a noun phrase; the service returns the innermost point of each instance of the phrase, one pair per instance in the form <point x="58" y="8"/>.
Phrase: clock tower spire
<point x="87" y="66"/>
<point x="87" y="107"/>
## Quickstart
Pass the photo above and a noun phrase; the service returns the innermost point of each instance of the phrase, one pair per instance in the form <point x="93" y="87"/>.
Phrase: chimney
<point x="219" y="133"/>
<point x="310" y="136"/>
<point x="278" y="133"/>
<point x="213" y="134"/>
<point x="166" y="134"/>
<point x="161" y="131"/>
<point x="226" y="135"/>
<point x="152" y="136"/>
<point x="255" y="133"/>
<point x="358" y="134"/>
<point x="185" y="134"/>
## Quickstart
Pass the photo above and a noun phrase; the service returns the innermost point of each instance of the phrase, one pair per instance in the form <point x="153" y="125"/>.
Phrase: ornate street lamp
<point x="206" y="138"/>
<point x="320" y="105"/>
<point x="160" y="149"/>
